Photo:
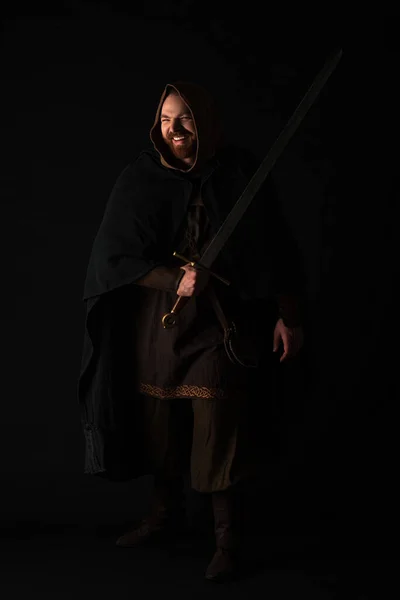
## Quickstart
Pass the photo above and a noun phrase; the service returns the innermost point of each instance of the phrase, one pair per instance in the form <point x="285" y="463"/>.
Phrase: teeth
<point x="178" y="138"/>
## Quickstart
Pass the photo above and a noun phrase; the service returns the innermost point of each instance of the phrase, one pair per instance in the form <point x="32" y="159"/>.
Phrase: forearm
<point x="290" y="309"/>
<point x="162" y="278"/>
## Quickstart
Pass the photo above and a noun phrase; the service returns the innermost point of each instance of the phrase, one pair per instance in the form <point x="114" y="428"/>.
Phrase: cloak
<point x="146" y="210"/>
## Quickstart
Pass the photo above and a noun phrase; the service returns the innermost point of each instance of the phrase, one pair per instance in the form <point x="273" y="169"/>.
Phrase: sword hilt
<point x="200" y="267"/>
<point x="170" y="319"/>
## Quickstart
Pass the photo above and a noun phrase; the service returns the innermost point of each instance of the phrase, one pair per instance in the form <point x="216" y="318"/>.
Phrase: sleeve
<point x="126" y="246"/>
<point x="162" y="278"/>
<point x="287" y="279"/>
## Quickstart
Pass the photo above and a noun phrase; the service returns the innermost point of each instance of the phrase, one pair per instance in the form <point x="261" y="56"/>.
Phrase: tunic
<point x="189" y="360"/>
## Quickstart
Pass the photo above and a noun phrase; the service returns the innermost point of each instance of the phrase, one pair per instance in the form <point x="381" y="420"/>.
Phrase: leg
<point x="165" y="453"/>
<point x="217" y="467"/>
<point x="227" y="510"/>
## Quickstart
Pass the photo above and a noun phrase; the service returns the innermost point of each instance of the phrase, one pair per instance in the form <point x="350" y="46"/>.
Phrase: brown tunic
<point x="189" y="360"/>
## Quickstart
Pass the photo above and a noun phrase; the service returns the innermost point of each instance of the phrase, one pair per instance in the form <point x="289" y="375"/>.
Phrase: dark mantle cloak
<point x="143" y="216"/>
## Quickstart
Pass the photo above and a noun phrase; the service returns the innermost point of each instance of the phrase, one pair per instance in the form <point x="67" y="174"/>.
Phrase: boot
<point x="165" y="521"/>
<point x="227" y="525"/>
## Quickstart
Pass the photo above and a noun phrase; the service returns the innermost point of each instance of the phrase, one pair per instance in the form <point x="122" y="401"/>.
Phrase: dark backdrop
<point x="81" y="86"/>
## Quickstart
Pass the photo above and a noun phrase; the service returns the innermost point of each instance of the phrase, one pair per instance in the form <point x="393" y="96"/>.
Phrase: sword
<point x="228" y="226"/>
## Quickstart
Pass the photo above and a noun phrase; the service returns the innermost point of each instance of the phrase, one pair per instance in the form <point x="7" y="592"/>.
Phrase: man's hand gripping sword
<point x="169" y="320"/>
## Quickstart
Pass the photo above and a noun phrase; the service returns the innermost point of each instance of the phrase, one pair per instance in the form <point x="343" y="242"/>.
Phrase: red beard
<point x="185" y="150"/>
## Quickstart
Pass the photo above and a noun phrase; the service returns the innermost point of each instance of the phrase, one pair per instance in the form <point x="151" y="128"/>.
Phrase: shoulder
<point x="246" y="161"/>
<point x="238" y="157"/>
<point x="139" y="167"/>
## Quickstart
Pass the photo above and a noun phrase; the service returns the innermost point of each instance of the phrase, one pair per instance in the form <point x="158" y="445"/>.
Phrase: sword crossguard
<point x="170" y="319"/>
<point x="200" y="267"/>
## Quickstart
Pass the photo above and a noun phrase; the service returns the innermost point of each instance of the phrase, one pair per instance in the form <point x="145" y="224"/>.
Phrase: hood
<point x="207" y="124"/>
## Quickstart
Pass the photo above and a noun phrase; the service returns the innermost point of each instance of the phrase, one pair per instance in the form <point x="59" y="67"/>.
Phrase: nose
<point x="176" y="126"/>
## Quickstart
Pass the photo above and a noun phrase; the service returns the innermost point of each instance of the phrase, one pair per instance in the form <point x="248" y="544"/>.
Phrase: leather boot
<point x="227" y="526"/>
<point x="165" y="521"/>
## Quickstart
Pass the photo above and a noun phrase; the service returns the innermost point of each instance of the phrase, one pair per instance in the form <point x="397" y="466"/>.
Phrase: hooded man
<point x="165" y="401"/>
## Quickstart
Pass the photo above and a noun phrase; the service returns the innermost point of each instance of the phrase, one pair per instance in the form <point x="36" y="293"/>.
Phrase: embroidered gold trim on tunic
<point x="181" y="391"/>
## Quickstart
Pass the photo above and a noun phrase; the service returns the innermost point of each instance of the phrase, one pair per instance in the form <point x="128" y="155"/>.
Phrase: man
<point x="162" y="401"/>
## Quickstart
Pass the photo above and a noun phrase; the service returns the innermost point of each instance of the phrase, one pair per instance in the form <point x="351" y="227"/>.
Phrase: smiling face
<point x="178" y="128"/>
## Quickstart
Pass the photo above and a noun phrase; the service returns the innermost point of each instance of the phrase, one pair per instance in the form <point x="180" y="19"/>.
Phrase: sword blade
<point x="241" y="205"/>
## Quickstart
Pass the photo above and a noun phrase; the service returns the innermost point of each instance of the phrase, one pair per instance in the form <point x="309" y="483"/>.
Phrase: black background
<point x="80" y="85"/>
